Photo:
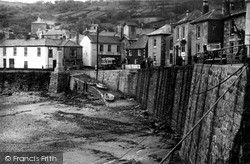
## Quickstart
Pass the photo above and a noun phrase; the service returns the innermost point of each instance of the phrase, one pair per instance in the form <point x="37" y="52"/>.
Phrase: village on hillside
<point x="125" y="82"/>
<point x="196" y="37"/>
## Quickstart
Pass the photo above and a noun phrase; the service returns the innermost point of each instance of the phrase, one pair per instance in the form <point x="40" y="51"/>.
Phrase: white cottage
<point x="37" y="53"/>
<point x="109" y="48"/>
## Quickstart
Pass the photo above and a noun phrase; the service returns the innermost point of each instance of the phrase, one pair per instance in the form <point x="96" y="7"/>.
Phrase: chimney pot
<point x="205" y="7"/>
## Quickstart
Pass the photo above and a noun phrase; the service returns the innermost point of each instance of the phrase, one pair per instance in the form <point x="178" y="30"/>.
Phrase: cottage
<point x="207" y="32"/>
<point x="158" y="47"/>
<point x="38" y="53"/>
<point x="182" y="37"/>
<point x="109" y="48"/>
<point x="137" y="52"/>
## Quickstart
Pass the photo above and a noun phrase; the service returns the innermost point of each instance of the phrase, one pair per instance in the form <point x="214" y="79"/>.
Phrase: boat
<point x="101" y="86"/>
<point x="91" y="83"/>
<point x="109" y="97"/>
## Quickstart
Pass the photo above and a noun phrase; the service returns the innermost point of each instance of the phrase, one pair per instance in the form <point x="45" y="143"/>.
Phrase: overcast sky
<point x="28" y="1"/>
<point x="32" y="1"/>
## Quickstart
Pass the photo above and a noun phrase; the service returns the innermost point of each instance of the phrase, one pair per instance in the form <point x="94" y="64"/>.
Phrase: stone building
<point x="207" y="32"/>
<point x="157" y="45"/>
<point x="182" y="36"/>
<point x="137" y="52"/>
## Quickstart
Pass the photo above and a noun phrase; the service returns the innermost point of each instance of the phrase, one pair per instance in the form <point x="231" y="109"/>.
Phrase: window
<point x="50" y="53"/>
<point x="73" y="53"/>
<point x="154" y="55"/>
<point x="4" y="51"/>
<point x="198" y="32"/>
<point x="133" y="30"/>
<point x="14" y="51"/>
<point x="183" y="48"/>
<point x="109" y="48"/>
<point x="232" y="30"/>
<point x="136" y="61"/>
<point x="118" y="48"/>
<point x="101" y="47"/>
<point x="139" y="52"/>
<point x="38" y="51"/>
<point x="183" y="32"/>
<point x="177" y="33"/>
<point x="25" y="51"/>
<point x="154" y="43"/>
<point x="231" y="50"/>
<point x="129" y="52"/>
<point x="171" y="58"/>
<point x="198" y="48"/>
<point x="171" y="46"/>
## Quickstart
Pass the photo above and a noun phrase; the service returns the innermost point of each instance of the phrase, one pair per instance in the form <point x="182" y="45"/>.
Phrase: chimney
<point x="77" y="37"/>
<point x="247" y="24"/>
<point x="231" y="5"/>
<point x="205" y="7"/>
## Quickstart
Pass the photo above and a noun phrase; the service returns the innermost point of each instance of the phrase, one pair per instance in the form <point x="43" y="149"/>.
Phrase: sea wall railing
<point x="228" y="55"/>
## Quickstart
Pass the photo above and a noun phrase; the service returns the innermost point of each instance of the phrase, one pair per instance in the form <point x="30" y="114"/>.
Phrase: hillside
<point x="19" y="16"/>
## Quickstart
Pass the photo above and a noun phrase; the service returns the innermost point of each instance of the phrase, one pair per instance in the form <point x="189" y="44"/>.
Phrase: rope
<point x="198" y="93"/>
<point x="201" y="119"/>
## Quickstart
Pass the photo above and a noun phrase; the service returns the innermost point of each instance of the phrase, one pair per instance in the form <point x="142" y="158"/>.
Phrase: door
<point x="25" y="64"/>
<point x="4" y="63"/>
<point x="11" y="63"/>
<point x="54" y="64"/>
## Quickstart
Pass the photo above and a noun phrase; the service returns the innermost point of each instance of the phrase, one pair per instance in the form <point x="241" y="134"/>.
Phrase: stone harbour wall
<point x="213" y="141"/>
<point x="23" y="81"/>
<point x="119" y="80"/>
<point x="59" y="82"/>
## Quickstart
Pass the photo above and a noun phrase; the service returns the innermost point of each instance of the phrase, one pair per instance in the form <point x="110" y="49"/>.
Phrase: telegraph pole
<point x="97" y="53"/>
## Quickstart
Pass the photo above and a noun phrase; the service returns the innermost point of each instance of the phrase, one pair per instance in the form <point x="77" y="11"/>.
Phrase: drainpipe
<point x="247" y="29"/>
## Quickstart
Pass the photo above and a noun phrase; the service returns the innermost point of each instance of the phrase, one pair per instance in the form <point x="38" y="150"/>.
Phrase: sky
<point x="28" y="1"/>
<point x="33" y="1"/>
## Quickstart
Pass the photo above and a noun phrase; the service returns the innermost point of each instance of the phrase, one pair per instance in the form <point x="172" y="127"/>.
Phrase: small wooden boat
<point x="101" y="86"/>
<point x="109" y="97"/>
<point x="91" y="83"/>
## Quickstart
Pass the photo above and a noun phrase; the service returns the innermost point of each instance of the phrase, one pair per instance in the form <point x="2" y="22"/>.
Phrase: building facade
<point x="137" y="52"/>
<point x="207" y="32"/>
<point x="157" y="45"/>
<point x="182" y="37"/>
<point x="38" y="53"/>
<point x="109" y="48"/>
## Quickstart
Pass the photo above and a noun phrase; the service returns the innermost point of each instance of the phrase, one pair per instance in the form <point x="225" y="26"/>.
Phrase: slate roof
<point x="189" y="17"/>
<point x="236" y="12"/>
<point x="37" y="42"/>
<point x="164" y="30"/>
<point x="105" y="39"/>
<point x="54" y="32"/>
<point x="140" y="43"/>
<point x="211" y="15"/>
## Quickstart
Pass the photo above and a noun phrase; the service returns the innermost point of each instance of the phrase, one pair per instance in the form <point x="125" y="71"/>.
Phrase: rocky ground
<point x="84" y="127"/>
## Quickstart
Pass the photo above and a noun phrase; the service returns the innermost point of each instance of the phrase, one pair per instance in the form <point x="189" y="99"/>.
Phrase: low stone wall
<point x="119" y="80"/>
<point x="24" y="81"/>
<point x="213" y="140"/>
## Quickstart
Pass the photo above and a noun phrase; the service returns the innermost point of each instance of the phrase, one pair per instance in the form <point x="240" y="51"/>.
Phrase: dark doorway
<point x="4" y="63"/>
<point x="54" y="64"/>
<point x="11" y="63"/>
<point x="25" y="64"/>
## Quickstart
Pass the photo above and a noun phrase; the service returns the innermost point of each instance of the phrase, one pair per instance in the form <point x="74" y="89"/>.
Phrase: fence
<point x="227" y="55"/>
<point x="164" y="91"/>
